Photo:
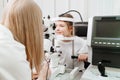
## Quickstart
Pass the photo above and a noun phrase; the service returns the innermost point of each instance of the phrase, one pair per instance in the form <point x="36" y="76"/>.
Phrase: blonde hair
<point x="24" y="19"/>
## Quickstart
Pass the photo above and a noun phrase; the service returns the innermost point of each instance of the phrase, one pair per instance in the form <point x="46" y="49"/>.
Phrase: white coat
<point x="13" y="63"/>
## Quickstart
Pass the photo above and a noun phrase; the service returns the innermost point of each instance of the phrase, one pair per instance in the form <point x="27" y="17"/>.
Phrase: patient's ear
<point x="71" y="29"/>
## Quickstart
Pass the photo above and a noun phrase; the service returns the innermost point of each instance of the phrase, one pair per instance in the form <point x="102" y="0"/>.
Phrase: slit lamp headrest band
<point x="62" y="19"/>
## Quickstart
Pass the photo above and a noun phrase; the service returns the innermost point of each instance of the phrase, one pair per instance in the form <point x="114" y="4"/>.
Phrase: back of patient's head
<point x="24" y="20"/>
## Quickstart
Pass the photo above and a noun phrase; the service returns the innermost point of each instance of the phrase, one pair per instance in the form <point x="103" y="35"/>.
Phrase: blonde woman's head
<point x="24" y="19"/>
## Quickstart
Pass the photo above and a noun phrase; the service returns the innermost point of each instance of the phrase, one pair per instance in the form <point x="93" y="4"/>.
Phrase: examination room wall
<point x="2" y="4"/>
<point x="87" y="8"/>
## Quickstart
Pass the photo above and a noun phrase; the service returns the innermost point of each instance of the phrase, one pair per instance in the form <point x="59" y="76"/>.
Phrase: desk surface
<point x="92" y="73"/>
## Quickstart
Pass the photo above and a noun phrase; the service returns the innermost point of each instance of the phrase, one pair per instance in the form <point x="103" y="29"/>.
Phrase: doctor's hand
<point x="44" y="72"/>
<point x="83" y="57"/>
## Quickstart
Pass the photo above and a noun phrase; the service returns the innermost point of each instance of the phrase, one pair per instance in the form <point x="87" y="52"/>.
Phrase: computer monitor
<point x="106" y="31"/>
<point x="105" y="40"/>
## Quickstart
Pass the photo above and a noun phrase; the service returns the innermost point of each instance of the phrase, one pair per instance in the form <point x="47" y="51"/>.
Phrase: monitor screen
<point x="106" y="31"/>
<point x="105" y="40"/>
<point x="108" y="28"/>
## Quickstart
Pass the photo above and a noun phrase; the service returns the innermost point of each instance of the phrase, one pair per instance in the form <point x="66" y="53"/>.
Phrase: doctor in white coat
<point x="21" y="41"/>
<point x="13" y="61"/>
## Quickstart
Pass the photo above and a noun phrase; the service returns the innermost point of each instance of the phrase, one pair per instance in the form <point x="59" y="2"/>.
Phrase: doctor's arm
<point x="44" y="72"/>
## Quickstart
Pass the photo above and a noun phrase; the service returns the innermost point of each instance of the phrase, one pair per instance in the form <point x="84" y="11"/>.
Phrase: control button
<point x="104" y="42"/>
<point x="117" y="46"/>
<point x="118" y="43"/>
<point x="113" y="43"/>
<point x="108" y="43"/>
<point x="100" y="42"/>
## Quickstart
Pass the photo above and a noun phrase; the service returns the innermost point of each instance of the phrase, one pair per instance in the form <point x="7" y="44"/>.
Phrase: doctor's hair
<point x="67" y="16"/>
<point x="24" y="20"/>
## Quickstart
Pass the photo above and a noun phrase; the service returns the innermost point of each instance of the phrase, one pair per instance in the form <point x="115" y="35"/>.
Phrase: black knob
<point x="52" y="49"/>
<point x="74" y="57"/>
<point x="101" y="69"/>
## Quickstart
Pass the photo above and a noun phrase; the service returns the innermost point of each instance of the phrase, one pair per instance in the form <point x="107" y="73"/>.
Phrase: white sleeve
<point x="13" y="63"/>
<point x="84" y="48"/>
